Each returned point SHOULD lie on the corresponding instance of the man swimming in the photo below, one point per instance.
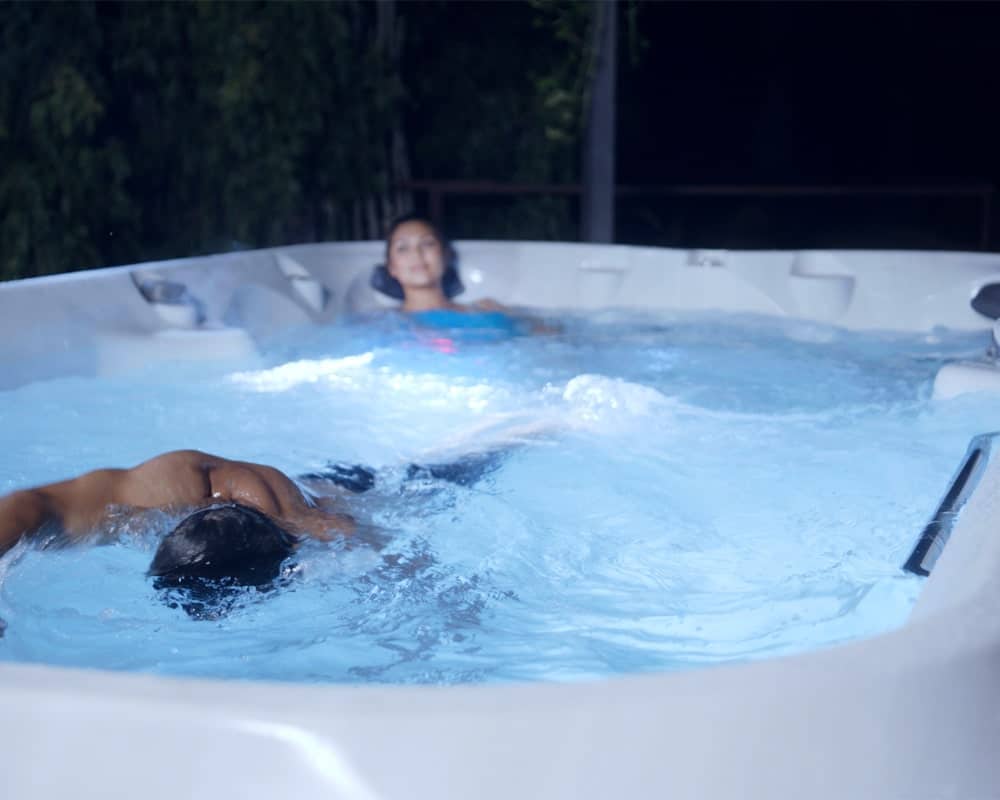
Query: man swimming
(242, 519)
(177, 481)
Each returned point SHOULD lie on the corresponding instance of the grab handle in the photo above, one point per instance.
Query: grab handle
(935, 535)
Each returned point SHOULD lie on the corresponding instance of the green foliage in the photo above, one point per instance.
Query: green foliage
(134, 131)
(62, 183)
(514, 74)
(131, 131)
(510, 109)
(259, 124)
(563, 86)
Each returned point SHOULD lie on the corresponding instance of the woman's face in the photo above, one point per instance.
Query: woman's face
(416, 256)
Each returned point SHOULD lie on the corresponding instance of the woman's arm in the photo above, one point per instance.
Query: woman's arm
(535, 325)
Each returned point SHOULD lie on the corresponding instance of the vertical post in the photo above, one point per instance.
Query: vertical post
(598, 202)
(984, 234)
(389, 43)
(436, 206)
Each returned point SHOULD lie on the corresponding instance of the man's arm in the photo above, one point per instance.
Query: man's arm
(325, 521)
(76, 506)
(22, 512)
(176, 480)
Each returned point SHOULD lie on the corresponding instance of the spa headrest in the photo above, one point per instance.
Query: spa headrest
(987, 301)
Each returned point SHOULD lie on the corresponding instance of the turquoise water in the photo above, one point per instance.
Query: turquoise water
(681, 491)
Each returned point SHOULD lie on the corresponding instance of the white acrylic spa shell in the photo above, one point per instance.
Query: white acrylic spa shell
(910, 714)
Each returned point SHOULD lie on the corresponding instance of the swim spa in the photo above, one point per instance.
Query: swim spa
(906, 713)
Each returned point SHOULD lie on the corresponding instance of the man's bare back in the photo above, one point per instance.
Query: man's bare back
(176, 481)
(187, 480)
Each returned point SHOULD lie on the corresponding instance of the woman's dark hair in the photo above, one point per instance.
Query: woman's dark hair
(451, 283)
(232, 542)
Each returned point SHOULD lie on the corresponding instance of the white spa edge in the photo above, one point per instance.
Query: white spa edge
(914, 713)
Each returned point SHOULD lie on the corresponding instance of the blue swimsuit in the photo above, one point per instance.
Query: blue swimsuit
(471, 325)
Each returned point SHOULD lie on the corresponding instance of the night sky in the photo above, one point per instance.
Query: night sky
(814, 92)
(212, 126)
(866, 94)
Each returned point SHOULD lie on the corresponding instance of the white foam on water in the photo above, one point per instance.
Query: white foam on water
(673, 492)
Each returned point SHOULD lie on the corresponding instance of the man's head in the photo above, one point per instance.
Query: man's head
(232, 542)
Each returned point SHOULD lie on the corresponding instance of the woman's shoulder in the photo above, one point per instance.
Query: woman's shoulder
(518, 319)
(488, 304)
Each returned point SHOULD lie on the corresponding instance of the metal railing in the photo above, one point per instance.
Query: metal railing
(438, 191)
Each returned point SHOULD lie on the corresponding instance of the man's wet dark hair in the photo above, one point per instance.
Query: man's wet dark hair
(228, 541)
(451, 283)
(218, 550)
